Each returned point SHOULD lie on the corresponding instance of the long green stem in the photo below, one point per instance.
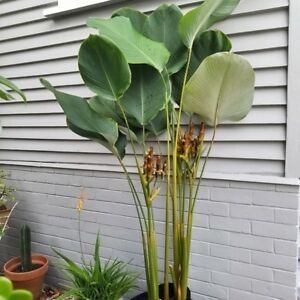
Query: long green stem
(152, 270)
(192, 201)
(204, 166)
(166, 267)
(141, 216)
(80, 239)
(174, 183)
(187, 241)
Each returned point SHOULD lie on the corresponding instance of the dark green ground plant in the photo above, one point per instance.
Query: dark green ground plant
(96, 281)
(161, 73)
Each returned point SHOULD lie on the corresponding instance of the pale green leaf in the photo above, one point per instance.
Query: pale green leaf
(207, 43)
(136, 48)
(221, 89)
(202, 17)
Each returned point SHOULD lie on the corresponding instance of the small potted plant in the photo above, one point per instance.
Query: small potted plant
(7, 200)
(27, 271)
(7, 292)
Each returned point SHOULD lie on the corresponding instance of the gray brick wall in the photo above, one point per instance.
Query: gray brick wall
(245, 234)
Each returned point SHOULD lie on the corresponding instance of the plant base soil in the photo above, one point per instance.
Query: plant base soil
(144, 296)
(34, 267)
(50, 293)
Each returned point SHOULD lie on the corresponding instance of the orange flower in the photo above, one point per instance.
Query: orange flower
(80, 200)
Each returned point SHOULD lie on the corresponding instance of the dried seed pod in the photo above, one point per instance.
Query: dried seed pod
(202, 131)
(165, 169)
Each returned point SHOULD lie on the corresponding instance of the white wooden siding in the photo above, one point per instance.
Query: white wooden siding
(32, 46)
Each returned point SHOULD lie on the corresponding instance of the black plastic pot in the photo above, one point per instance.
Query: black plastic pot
(144, 296)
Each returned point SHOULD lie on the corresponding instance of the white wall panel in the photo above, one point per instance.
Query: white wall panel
(32, 46)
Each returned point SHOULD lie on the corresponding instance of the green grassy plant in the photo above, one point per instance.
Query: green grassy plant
(96, 281)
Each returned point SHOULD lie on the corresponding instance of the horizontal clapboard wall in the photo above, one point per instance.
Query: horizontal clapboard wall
(32, 46)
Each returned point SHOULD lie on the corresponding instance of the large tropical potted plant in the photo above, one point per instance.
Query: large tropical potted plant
(152, 74)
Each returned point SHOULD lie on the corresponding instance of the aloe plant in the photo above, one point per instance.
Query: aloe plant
(147, 82)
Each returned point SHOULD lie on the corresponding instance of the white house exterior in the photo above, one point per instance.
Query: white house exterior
(245, 243)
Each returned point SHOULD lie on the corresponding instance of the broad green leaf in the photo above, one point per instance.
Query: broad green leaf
(221, 89)
(7, 83)
(207, 43)
(110, 109)
(162, 26)
(146, 94)
(158, 125)
(103, 67)
(168, 83)
(135, 133)
(136, 17)
(79, 113)
(136, 48)
(119, 145)
(106, 108)
(202, 17)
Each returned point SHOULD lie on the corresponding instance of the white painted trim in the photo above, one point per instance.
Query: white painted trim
(67, 6)
(117, 169)
(292, 167)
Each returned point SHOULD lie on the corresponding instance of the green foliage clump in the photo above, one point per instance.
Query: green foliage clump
(7, 197)
(94, 281)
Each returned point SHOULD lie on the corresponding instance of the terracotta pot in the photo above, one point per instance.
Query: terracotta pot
(4, 213)
(32, 281)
